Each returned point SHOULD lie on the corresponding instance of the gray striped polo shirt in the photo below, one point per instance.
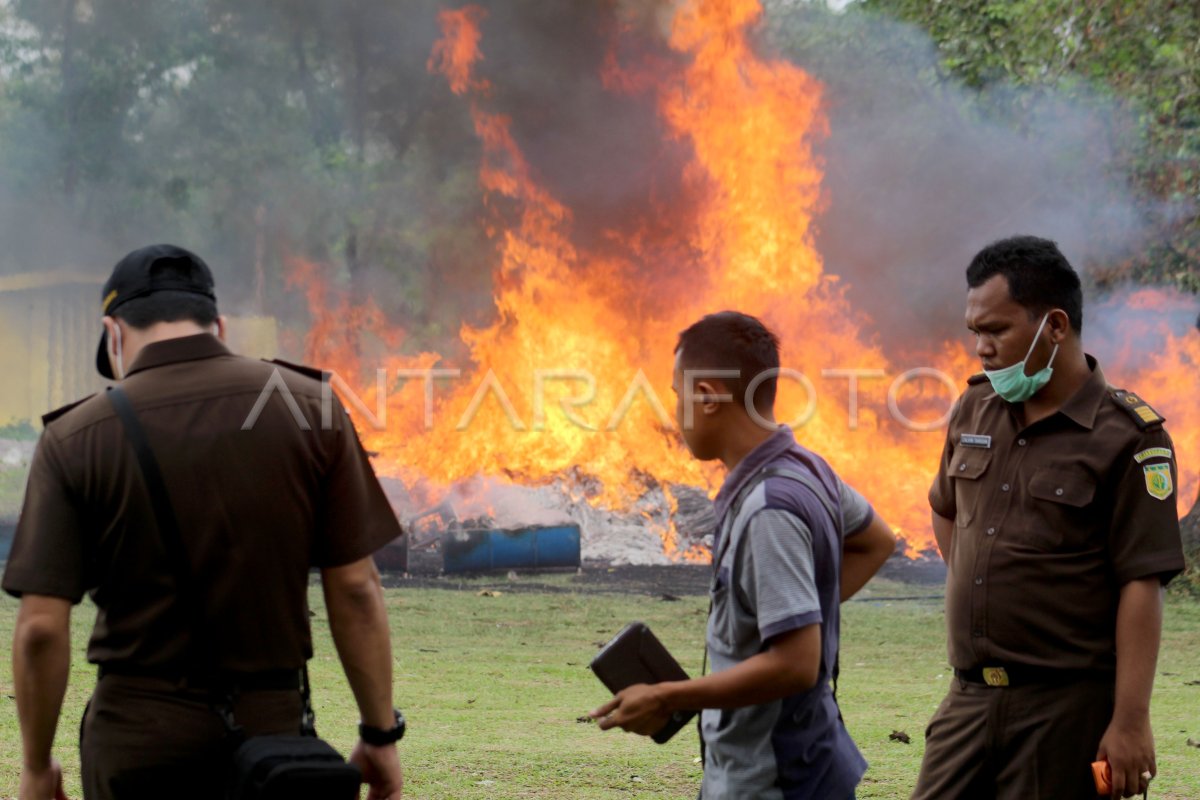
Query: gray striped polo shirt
(778, 569)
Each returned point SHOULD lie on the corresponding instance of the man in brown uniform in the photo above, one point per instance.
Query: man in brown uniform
(262, 487)
(1054, 508)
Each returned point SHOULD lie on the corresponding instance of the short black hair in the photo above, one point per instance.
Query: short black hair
(733, 340)
(167, 305)
(1039, 276)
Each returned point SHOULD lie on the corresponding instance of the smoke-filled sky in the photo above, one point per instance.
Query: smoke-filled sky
(918, 175)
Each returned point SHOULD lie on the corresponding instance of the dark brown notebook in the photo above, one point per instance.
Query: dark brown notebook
(635, 655)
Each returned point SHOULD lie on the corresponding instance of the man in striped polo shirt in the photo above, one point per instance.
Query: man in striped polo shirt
(792, 542)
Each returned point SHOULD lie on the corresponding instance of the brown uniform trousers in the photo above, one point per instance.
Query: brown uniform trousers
(144, 738)
(1033, 742)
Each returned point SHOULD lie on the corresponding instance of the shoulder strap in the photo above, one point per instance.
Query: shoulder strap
(1138, 409)
(156, 487)
(50, 416)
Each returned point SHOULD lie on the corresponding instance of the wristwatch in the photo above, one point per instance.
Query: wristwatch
(378, 736)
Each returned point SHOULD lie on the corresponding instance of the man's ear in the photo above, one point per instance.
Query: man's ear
(711, 396)
(1059, 324)
(221, 327)
(112, 329)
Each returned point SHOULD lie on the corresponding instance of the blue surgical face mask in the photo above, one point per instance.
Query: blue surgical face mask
(1013, 384)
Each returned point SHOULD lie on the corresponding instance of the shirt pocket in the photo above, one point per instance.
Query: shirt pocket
(1062, 499)
(968, 465)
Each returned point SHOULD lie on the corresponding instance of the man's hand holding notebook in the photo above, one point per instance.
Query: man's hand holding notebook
(629, 666)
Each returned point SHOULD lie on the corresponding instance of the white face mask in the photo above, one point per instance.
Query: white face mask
(114, 350)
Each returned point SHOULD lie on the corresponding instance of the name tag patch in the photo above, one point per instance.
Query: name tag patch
(1153, 452)
(974, 440)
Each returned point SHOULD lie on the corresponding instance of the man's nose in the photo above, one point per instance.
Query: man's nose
(984, 348)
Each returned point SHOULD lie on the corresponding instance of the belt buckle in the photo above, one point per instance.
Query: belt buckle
(995, 676)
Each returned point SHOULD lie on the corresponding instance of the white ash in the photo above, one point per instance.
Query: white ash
(618, 537)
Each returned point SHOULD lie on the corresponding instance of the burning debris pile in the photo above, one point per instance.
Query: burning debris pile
(636, 535)
(561, 413)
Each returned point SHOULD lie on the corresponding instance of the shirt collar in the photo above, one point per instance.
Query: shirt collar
(183, 348)
(775, 445)
(1082, 407)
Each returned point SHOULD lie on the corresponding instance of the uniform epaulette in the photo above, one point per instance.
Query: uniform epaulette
(311, 372)
(1138, 409)
(976, 379)
(58, 412)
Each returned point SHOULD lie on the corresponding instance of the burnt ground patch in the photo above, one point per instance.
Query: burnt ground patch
(661, 581)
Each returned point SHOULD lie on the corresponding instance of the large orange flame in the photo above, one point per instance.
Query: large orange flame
(571, 383)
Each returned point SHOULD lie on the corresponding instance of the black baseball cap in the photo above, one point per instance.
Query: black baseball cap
(142, 273)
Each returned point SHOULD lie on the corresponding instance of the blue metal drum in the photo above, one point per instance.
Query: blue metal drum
(523, 548)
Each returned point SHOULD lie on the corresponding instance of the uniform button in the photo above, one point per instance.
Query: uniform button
(1021, 442)
(977, 633)
(962, 467)
(1058, 491)
(991, 531)
(1004, 488)
(979, 581)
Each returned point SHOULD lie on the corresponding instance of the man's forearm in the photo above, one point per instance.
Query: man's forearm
(787, 667)
(359, 625)
(41, 664)
(1139, 630)
(863, 554)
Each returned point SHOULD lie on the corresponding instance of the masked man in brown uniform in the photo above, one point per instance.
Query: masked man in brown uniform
(263, 486)
(1054, 508)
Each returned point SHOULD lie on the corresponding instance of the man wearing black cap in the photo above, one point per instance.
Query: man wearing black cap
(255, 508)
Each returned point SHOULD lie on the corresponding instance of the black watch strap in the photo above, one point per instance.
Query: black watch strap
(379, 737)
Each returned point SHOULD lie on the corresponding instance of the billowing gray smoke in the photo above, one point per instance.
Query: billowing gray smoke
(922, 172)
(255, 132)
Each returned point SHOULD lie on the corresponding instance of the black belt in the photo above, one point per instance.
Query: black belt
(1023, 675)
(276, 679)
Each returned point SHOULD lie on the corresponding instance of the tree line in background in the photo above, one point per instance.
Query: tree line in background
(261, 131)
(255, 132)
(1146, 53)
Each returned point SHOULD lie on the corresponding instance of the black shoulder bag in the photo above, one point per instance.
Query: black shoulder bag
(299, 767)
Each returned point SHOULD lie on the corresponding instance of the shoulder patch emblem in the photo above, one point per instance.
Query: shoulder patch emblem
(1158, 480)
(1152, 452)
(1138, 409)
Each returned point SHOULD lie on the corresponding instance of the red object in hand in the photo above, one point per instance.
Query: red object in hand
(1103, 775)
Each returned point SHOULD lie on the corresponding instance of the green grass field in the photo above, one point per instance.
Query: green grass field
(494, 687)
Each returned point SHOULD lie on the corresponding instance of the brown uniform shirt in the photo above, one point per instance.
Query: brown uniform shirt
(1050, 520)
(256, 508)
